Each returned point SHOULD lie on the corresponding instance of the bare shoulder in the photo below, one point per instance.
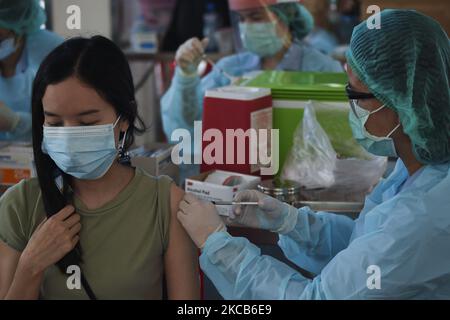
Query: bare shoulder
(176, 195)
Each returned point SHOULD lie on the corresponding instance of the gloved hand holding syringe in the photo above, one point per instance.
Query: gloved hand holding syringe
(234, 203)
(191, 54)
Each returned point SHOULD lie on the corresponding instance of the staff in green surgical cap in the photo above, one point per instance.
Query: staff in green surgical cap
(399, 246)
(23, 45)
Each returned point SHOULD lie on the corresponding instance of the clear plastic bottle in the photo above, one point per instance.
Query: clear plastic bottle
(143, 37)
(211, 23)
(333, 13)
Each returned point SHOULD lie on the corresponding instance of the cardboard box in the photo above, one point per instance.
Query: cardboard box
(155, 159)
(16, 164)
(217, 192)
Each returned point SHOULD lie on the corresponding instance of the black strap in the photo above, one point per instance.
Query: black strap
(87, 287)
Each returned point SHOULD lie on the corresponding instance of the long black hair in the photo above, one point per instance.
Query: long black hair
(101, 65)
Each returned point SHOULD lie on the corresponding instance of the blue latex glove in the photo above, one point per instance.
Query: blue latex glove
(8, 118)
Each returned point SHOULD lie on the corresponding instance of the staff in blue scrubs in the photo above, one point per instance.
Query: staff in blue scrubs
(399, 246)
(272, 34)
(23, 45)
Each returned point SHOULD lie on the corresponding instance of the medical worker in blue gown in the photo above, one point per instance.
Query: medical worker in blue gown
(271, 32)
(23, 45)
(399, 247)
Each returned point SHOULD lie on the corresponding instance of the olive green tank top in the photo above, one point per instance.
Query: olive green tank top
(123, 242)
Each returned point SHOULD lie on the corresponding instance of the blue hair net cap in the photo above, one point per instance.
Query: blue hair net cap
(21, 16)
(405, 64)
(296, 16)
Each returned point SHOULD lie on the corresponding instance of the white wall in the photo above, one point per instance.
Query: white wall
(95, 17)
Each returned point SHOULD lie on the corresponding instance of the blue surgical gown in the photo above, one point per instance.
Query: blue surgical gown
(323, 40)
(403, 232)
(15, 92)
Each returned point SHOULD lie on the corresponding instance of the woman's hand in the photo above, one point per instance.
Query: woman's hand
(52, 240)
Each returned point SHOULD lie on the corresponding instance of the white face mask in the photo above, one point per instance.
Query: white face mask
(7, 48)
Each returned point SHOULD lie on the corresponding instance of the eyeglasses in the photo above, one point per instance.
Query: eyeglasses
(356, 95)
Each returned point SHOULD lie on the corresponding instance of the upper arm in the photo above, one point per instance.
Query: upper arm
(181, 258)
(9, 259)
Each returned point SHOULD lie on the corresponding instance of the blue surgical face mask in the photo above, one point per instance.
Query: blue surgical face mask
(380, 146)
(84, 152)
(261, 38)
(7, 48)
